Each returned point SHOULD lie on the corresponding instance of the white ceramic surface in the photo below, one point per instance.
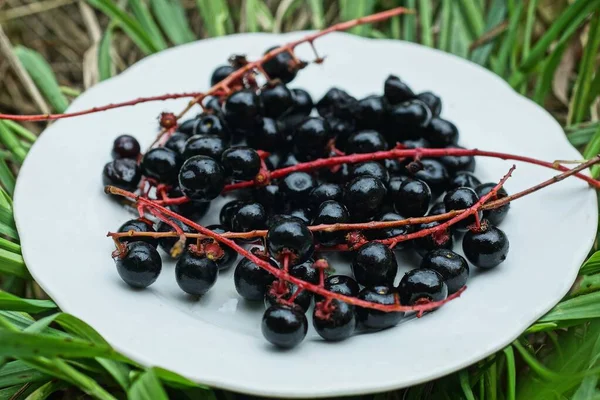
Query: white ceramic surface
(63, 216)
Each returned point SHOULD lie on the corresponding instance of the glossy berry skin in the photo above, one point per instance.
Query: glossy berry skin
(412, 199)
(374, 265)
(370, 168)
(464, 179)
(290, 237)
(455, 164)
(311, 138)
(284, 326)
(342, 284)
(270, 197)
(167, 243)
(123, 173)
(205, 145)
(177, 142)
(138, 225)
(337, 103)
(161, 164)
(432, 101)
(303, 102)
(276, 100)
(220, 73)
(125, 146)
(281, 66)
(496, 215)
(393, 186)
(194, 210)
(140, 266)
(396, 91)
(296, 187)
(409, 117)
(240, 162)
(371, 113)
(201, 178)
(342, 130)
(367, 141)
(438, 240)
(422, 284)
(441, 133)
(301, 213)
(450, 265)
(331, 212)
(375, 319)
(251, 281)
(227, 213)
(278, 291)
(243, 111)
(394, 167)
(437, 209)
(386, 233)
(268, 138)
(211, 124)
(324, 192)
(288, 160)
(486, 249)
(306, 272)
(249, 217)
(364, 197)
(335, 321)
(461, 199)
(415, 143)
(195, 274)
(188, 126)
(229, 254)
(435, 175)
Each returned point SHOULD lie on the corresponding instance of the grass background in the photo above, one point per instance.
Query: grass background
(52, 50)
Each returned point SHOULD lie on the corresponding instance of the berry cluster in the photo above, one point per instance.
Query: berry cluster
(257, 131)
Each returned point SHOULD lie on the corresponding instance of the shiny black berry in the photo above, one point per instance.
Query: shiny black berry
(367, 141)
(434, 174)
(486, 248)
(290, 238)
(193, 209)
(123, 173)
(251, 281)
(240, 163)
(494, 216)
(243, 112)
(228, 211)
(201, 178)
(396, 91)
(342, 130)
(342, 284)
(281, 67)
(270, 197)
(441, 133)
(205, 145)
(278, 292)
(126, 146)
(375, 319)
(303, 103)
(337, 103)
(439, 240)
(188, 127)
(176, 142)
(167, 243)
(211, 124)
(324, 192)
(306, 272)
(335, 320)
(311, 138)
(370, 168)
(276, 100)
(284, 326)
(195, 274)
(412, 198)
(422, 285)
(432, 101)
(296, 187)
(364, 196)
(409, 118)
(461, 199)
(220, 73)
(464, 179)
(386, 233)
(394, 185)
(450, 265)
(371, 113)
(249, 217)
(302, 213)
(138, 225)
(331, 212)
(437, 209)
(140, 264)
(268, 138)
(229, 254)
(162, 164)
(458, 163)
(374, 265)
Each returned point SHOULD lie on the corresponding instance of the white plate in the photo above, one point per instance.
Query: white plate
(63, 216)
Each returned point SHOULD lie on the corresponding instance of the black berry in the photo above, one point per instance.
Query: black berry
(126, 146)
(123, 173)
(375, 319)
(241, 163)
(335, 320)
(284, 326)
(140, 264)
(422, 285)
(374, 265)
(486, 248)
(450, 265)
(201, 178)
(195, 274)
(161, 164)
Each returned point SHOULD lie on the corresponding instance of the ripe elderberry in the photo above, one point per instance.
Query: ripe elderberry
(487, 247)
(125, 146)
(195, 273)
(139, 265)
(284, 326)
(334, 320)
(201, 178)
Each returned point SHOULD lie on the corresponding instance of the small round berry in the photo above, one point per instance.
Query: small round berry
(123, 173)
(249, 217)
(437, 209)
(204, 145)
(464, 179)
(282, 66)
(229, 254)
(126, 146)
(139, 265)
(270, 197)
(279, 292)
(284, 326)
(455, 164)
(296, 187)
(438, 240)
(201, 178)
(242, 111)
(331, 212)
(302, 213)
(412, 198)
(371, 113)
(342, 284)
(311, 138)
(387, 233)
(195, 274)
(494, 216)
(367, 141)
(434, 174)
(338, 174)
(276, 100)
(306, 272)
(194, 210)
(337, 103)
(220, 73)
(342, 130)
(419, 143)
(241, 163)
(432, 101)
(161, 164)
(138, 225)
(461, 199)
(324, 192)
(211, 124)
(375, 265)
(441, 133)
(303, 103)
(335, 320)
(370, 168)
(422, 285)
(290, 238)
(176, 142)
(450, 265)
(364, 197)
(394, 185)
(188, 127)
(251, 281)
(375, 319)
(486, 248)
(410, 118)
(167, 243)
(394, 166)
(268, 138)
(227, 213)
(396, 91)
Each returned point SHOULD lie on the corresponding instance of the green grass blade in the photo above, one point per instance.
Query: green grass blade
(19, 392)
(592, 149)
(105, 63)
(9, 302)
(459, 44)
(446, 26)
(251, 16)
(21, 131)
(581, 134)
(144, 18)
(42, 75)
(529, 22)
(16, 373)
(511, 374)
(582, 307)
(351, 9)
(216, 17)
(119, 371)
(130, 26)
(46, 390)
(544, 82)
(9, 246)
(7, 226)
(173, 21)
(472, 16)
(425, 17)
(147, 387)
(13, 264)
(7, 178)
(11, 142)
(509, 42)
(587, 390)
(409, 22)
(465, 385)
(579, 107)
(317, 14)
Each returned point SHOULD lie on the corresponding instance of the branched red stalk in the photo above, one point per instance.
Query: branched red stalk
(278, 273)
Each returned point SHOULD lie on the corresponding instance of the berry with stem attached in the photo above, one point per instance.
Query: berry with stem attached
(241, 162)
(290, 239)
(422, 285)
(201, 178)
(126, 146)
(486, 247)
(161, 164)
(450, 265)
(284, 326)
(138, 225)
(139, 264)
(374, 265)
(334, 320)
(251, 281)
(195, 273)
(123, 173)
(495, 215)
(375, 319)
